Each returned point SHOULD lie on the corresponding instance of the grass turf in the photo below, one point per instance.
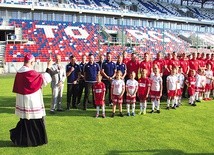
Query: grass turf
(186, 130)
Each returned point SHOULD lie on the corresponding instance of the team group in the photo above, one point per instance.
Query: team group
(173, 77)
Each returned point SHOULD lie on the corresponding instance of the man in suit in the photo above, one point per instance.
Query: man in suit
(58, 75)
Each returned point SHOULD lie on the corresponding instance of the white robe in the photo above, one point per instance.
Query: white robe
(31, 106)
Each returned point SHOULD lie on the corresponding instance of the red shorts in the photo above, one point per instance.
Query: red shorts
(179, 92)
(142, 97)
(171, 93)
(191, 91)
(117, 100)
(130, 99)
(99, 103)
(155, 94)
(200, 89)
(208, 87)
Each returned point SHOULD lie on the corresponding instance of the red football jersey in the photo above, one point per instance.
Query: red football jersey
(202, 63)
(147, 66)
(184, 65)
(143, 84)
(174, 63)
(211, 62)
(194, 64)
(99, 92)
(160, 63)
(167, 67)
(132, 66)
(126, 60)
(191, 81)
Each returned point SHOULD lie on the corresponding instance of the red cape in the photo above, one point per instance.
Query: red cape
(27, 82)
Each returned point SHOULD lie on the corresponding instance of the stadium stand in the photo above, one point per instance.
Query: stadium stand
(99, 27)
(48, 38)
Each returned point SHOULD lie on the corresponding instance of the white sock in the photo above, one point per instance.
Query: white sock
(145, 105)
(133, 107)
(141, 107)
(200, 98)
(196, 95)
(208, 94)
(190, 99)
(180, 98)
(98, 109)
(153, 105)
(205, 95)
(128, 108)
(176, 100)
(168, 102)
(103, 109)
(173, 102)
(158, 104)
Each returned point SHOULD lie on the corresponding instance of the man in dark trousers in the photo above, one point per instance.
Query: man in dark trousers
(81, 79)
(108, 71)
(91, 69)
(72, 72)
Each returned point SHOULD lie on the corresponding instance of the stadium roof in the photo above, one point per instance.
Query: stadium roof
(202, 2)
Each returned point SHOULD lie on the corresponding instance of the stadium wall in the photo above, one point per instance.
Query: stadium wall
(13, 67)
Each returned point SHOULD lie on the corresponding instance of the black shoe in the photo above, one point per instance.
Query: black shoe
(198, 101)
(60, 110)
(158, 111)
(190, 103)
(52, 112)
(151, 111)
(74, 107)
(112, 115)
(121, 114)
(110, 104)
(103, 116)
(167, 108)
(178, 105)
(194, 104)
(84, 108)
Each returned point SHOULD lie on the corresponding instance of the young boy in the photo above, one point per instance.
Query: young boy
(156, 89)
(209, 79)
(190, 82)
(171, 84)
(117, 89)
(131, 90)
(143, 91)
(200, 85)
(99, 95)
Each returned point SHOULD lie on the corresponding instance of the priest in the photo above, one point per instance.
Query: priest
(30, 130)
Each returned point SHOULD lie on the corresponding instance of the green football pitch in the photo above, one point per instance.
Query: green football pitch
(186, 130)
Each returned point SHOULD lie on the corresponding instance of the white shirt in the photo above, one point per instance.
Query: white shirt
(131, 86)
(156, 82)
(117, 87)
(172, 81)
(181, 79)
(209, 74)
(200, 80)
(58, 74)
